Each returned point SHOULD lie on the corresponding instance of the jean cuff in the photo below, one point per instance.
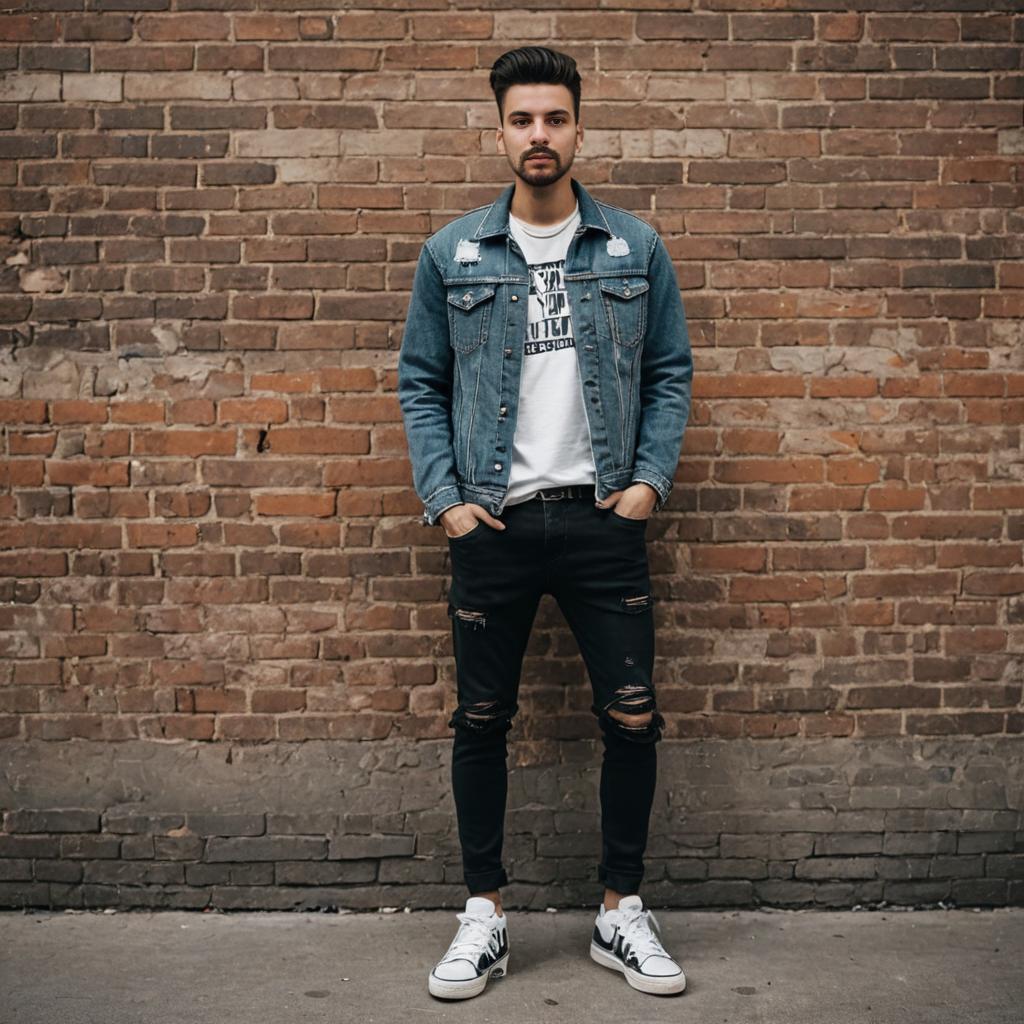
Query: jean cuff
(443, 498)
(625, 885)
(485, 881)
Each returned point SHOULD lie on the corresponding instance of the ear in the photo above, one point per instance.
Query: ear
(499, 140)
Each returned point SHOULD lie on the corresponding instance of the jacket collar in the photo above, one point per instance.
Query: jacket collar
(496, 221)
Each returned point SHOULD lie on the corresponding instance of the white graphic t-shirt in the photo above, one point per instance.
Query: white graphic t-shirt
(551, 447)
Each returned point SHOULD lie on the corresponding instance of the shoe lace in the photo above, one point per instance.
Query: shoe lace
(636, 930)
(473, 936)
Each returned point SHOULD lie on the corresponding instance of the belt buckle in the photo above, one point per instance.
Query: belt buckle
(553, 493)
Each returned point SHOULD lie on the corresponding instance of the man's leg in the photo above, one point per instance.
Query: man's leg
(604, 592)
(492, 604)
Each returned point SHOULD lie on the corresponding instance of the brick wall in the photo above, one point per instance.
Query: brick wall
(207, 530)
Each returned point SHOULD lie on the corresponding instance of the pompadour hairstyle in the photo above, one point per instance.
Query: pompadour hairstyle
(535, 65)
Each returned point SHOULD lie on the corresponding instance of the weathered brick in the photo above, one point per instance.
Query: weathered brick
(186, 526)
(357, 847)
(30, 820)
(256, 848)
(225, 824)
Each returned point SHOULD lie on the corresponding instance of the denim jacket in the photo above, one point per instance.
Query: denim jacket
(462, 354)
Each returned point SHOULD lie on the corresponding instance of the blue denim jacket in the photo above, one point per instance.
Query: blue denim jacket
(462, 354)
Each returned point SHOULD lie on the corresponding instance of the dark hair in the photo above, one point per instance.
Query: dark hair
(535, 65)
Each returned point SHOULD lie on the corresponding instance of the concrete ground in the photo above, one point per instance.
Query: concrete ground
(767, 966)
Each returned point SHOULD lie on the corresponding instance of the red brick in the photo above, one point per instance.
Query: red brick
(775, 588)
(294, 505)
(210, 420)
(791, 470)
(728, 559)
(737, 385)
(184, 442)
(84, 471)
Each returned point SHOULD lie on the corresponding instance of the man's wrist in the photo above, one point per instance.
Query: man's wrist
(650, 487)
(660, 484)
(650, 490)
(440, 515)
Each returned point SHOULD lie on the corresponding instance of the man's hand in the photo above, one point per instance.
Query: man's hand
(460, 519)
(635, 502)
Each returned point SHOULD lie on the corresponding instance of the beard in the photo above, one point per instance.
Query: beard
(540, 175)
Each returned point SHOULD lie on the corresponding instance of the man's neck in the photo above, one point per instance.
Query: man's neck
(543, 205)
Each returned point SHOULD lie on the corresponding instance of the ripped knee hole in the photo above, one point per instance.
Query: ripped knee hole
(633, 710)
(483, 706)
(483, 716)
(472, 617)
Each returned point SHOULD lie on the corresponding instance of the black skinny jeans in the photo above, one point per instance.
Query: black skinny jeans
(594, 563)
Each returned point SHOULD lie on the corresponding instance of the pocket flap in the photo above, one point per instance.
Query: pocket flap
(471, 295)
(624, 287)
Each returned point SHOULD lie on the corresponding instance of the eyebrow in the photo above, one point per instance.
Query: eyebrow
(526, 113)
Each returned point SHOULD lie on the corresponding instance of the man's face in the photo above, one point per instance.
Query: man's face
(538, 121)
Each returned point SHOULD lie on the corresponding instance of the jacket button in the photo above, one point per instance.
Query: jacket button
(508, 351)
(497, 465)
(466, 297)
(515, 298)
(625, 291)
(503, 409)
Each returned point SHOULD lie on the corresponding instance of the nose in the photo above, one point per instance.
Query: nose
(539, 135)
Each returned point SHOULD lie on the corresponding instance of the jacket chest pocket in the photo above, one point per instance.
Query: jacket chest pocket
(469, 314)
(625, 304)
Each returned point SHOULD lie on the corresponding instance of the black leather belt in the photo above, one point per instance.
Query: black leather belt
(569, 491)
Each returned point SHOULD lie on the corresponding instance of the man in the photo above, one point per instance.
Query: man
(544, 379)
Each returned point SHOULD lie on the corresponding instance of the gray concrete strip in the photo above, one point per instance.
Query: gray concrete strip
(743, 967)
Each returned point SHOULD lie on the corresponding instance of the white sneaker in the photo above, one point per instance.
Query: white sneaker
(623, 941)
(478, 952)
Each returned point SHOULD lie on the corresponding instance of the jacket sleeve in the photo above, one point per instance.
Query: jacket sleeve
(425, 366)
(666, 372)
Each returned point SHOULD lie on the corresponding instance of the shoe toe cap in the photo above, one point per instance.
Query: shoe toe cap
(455, 970)
(661, 967)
